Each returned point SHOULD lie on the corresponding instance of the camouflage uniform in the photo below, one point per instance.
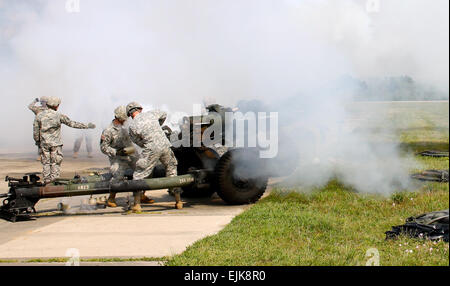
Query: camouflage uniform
(145, 131)
(47, 132)
(36, 110)
(77, 145)
(113, 138)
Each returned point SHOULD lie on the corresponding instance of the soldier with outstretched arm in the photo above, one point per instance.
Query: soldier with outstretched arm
(146, 132)
(47, 135)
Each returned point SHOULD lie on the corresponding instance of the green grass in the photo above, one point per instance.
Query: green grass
(335, 225)
(331, 226)
(7, 261)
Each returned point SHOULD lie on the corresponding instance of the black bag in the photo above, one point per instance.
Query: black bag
(433, 226)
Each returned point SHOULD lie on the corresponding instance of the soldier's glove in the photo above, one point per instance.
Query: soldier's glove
(91, 125)
(36, 99)
(129, 150)
(121, 152)
(125, 151)
(167, 130)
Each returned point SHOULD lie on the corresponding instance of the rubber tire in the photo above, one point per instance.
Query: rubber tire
(228, 191)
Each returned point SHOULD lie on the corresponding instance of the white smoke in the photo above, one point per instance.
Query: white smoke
(180, 52)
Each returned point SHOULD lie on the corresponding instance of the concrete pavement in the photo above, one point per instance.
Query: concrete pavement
(159, 231)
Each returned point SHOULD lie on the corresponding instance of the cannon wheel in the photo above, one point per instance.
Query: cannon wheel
(193, 159)
(235, 187)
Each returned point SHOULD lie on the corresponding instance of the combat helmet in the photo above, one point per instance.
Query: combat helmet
(53, 101)
(44, 99)
(132, 106)
(121, 113)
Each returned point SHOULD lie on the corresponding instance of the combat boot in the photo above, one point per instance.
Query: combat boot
(112, 200)
(137, 202)
(136, 208)
(177, 193)
(75, 155)
(146, 200)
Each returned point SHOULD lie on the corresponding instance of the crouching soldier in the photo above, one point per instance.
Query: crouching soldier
(47, 135)
(116, 144)
(146, 132)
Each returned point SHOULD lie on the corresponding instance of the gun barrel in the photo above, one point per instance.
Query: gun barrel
(104, 187)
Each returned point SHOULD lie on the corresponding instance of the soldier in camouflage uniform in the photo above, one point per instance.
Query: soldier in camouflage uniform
(47, 135)
(36, 110)
(116, 144)
(146, 132)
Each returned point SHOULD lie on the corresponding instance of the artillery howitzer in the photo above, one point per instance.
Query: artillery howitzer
(238, 176)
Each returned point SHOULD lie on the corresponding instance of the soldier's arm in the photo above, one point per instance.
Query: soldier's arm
(135, 137)
(161, 116)
(66, 120)
(128, 141)
(132, 135)
(105, 145)
(36, 131)
(32, 106)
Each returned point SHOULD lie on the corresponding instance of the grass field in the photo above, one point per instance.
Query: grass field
(334, 225)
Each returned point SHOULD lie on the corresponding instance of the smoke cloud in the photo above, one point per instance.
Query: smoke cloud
(288, 54)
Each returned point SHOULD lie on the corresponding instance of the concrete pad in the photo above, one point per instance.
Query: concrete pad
(127, 236)
(160, 231)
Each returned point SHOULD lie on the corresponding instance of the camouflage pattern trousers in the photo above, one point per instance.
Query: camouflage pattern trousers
(51, 159)
(149, 159)
(79, 140)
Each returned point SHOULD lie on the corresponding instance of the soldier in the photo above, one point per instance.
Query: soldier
(116, 144)
(36, 109)
(47, 135)
(79, 140)
(146, 132)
